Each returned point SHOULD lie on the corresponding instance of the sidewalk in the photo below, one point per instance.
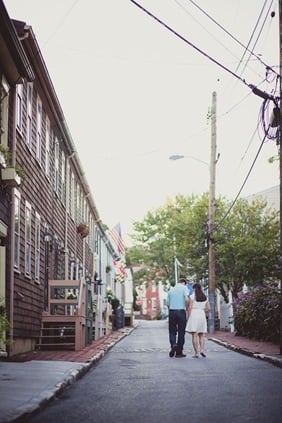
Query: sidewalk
(29, 381)
(258, 349)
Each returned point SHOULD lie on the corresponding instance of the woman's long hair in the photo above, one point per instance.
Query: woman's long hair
(199, 294)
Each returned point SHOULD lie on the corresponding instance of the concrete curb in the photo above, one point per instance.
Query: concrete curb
(70, 379)
(94, 360)
(276, 361)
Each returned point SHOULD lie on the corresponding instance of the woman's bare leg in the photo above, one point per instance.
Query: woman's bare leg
(195, 342)
(202, 344)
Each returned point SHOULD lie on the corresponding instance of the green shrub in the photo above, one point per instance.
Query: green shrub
(257, 314)
(4, 324)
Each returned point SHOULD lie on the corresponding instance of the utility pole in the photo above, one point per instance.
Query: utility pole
(175, 261)
(280, 159)
(211, 252)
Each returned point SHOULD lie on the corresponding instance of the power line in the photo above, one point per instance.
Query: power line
(254, 89)
(232, 36)
(251, 52)
(205, 29)
(244, 182)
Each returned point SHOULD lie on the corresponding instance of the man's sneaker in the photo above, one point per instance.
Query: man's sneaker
(180, 355)
(173, 351)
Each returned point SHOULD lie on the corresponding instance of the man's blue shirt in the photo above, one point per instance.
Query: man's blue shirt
(176, 297)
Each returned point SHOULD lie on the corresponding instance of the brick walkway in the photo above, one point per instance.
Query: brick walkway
(97, 348)
(82, 356)
(259, 347)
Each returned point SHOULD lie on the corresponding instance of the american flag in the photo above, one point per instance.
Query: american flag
(120, 271)
(115, 235)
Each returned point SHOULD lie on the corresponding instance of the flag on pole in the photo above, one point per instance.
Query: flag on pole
(120, 271)
(115, 235)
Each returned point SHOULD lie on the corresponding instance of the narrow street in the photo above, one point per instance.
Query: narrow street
(136, 381)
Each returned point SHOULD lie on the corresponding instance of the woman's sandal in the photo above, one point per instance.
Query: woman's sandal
(203, 354)
(195, 356)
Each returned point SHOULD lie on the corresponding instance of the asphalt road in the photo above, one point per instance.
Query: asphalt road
(137, 382)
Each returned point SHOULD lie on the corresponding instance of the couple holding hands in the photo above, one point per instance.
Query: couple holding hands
(197, 307)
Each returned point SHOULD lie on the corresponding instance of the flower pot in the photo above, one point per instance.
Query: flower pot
(10, 177)
(83, 229)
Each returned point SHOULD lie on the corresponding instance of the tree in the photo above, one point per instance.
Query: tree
(247, 246)
(246, 241)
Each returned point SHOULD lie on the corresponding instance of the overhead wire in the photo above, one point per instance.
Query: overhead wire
(205, 29)
(190, 43)
(232, 36)
(238, 77)
(254, 89)
(243, 184)
(251, 52)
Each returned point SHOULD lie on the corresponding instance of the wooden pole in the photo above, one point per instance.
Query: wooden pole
(280, 157)
(211, 252)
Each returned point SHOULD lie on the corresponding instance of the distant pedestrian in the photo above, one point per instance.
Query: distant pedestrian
(177, 302)
(197, 321)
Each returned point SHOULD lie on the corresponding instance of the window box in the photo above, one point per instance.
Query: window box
(10, 177)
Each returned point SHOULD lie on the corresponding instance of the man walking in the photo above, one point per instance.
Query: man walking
(177, 302)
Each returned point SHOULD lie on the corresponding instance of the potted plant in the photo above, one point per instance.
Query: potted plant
(108, 268)
(11, 175)
(5, 155)
(83, 229)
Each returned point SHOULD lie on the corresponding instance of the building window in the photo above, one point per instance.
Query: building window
(39, 130)
(72, 196)
(154, 303)
(37, 246)
(77, 203)
(27, 238)
(63, 179)
(47, 150)
(29, 116)
(154, 286)
(4, 108)
(19, 107)
(68, 189)
(17, 230)
(56, 175)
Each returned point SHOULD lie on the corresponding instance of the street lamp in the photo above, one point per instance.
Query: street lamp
(180, 156)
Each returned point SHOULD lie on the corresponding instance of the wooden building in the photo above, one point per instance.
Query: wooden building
(50, 229)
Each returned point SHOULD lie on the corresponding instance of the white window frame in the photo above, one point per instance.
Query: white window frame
(38, 129)
(19, 107)
(56, 168)
(63, 179)
(17, 229)
(37, 246)
(72, 195)
(5, 89)
(78, 215)
(29, 115)
(154, 303)
(28, 223)
(47, 148)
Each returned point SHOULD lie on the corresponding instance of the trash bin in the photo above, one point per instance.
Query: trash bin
(119, 317)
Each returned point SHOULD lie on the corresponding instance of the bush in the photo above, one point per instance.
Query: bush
(115, 303)
(257, 314)
(4, 324)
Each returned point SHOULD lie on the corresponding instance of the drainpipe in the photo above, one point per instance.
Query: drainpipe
(12, 225)
(66, 216)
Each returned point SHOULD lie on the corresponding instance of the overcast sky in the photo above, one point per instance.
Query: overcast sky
(134, 93)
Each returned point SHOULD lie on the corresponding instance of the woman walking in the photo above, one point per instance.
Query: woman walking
(197, 321)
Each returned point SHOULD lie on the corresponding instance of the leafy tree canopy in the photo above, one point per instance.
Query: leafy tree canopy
(245, 238)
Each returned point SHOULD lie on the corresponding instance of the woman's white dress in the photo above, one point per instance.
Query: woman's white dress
(197, 321)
